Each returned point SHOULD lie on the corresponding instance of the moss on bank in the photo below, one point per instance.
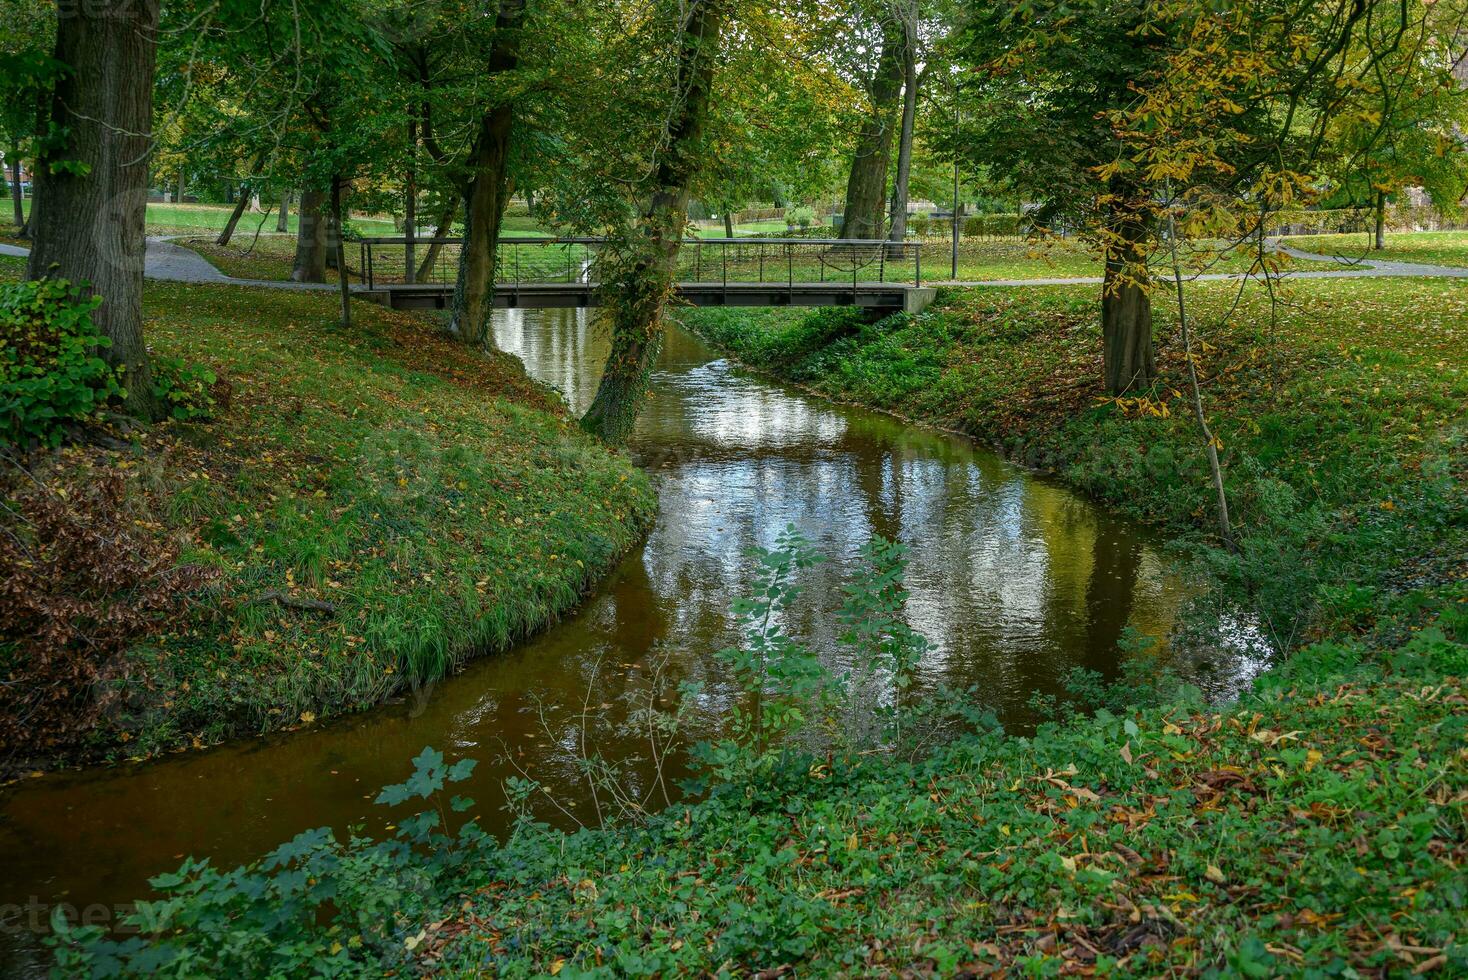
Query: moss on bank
(441, 502)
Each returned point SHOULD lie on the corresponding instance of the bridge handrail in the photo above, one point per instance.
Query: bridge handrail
(518, 240)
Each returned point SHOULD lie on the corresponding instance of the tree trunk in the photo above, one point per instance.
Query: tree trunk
(638, 292)
(282, 220)
(178, 191)
(904, 141)
(728, 224)
(1126, 310)
(234, 218)
(441, 230)
(89, 229)
(410, 205)
(866, 187)
(310, 238)
(1379, 242)
(17, 197)
(487, 192)
(341, 258)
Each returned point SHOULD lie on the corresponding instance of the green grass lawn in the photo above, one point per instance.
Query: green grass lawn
(441, 501)
(1449, 248)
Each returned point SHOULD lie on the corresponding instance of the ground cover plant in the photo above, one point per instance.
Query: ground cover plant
(1315, 827)
(1341, 420)
(371, 507)
(1449, 248)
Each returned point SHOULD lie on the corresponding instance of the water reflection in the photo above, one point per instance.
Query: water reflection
(1014, 580)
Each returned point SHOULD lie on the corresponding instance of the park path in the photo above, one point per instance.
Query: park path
(167, 262)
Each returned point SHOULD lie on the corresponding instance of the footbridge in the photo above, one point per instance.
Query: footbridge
(560, 273)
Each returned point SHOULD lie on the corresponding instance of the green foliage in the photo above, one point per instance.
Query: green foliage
(781, 680)
(50, 374)
(185, 390)
(314, 906)
(1282, 834)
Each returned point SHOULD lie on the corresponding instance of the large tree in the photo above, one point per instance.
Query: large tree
(92, 173)
(640, 279)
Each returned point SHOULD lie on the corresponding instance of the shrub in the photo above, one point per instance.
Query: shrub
(50, 374)
(187, 390)
(802, 216)
(919, 223)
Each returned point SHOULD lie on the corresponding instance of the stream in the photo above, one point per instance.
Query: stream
(1014, 579)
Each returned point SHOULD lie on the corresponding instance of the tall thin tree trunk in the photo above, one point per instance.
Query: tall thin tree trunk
(441, 230)
(1379, 241)
(487, 192)
(904, 139)
(1126, 309)
(410, 205)
(728, 224)
(341, 258)
(642, 282)
(178, 190)
(866, 186)
(282, 220)
(88, 225)
(234, 218)
(16, 194)
(310, 263)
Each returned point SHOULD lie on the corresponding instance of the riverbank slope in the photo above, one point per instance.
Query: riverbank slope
(1341, 417)
(368, 508)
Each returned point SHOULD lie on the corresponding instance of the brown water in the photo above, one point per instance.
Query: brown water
(1014, 579)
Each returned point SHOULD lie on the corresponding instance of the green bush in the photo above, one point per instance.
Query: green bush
(50, 373)
(980, 225)
(185, 389)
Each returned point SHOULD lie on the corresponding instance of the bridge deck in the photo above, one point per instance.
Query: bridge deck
(891, 297)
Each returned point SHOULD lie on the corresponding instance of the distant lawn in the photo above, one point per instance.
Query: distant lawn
(1449, 248)
(441, 501)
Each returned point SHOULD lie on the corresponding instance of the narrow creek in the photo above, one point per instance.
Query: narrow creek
(1014, 579)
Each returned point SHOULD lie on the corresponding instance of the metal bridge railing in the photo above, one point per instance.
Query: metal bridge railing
(702, 261)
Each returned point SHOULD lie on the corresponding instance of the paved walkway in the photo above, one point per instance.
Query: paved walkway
(168, 262)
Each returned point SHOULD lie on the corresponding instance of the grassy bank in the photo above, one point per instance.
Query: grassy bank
(1314, 828)
(1449, 248)
(432, 503)
(1341, 422)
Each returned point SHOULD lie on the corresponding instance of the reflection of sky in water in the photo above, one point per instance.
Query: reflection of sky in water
(1013, 580)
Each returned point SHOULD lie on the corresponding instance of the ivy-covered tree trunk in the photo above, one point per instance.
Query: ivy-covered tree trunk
(640, 286)
(92, 187)
(1126, 308)
(866, 186)
(1379, 239)
(283, 219)
(486, 192)
(311, 228)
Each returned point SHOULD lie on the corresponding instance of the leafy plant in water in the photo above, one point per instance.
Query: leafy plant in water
(779, 678)
(885, 644)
